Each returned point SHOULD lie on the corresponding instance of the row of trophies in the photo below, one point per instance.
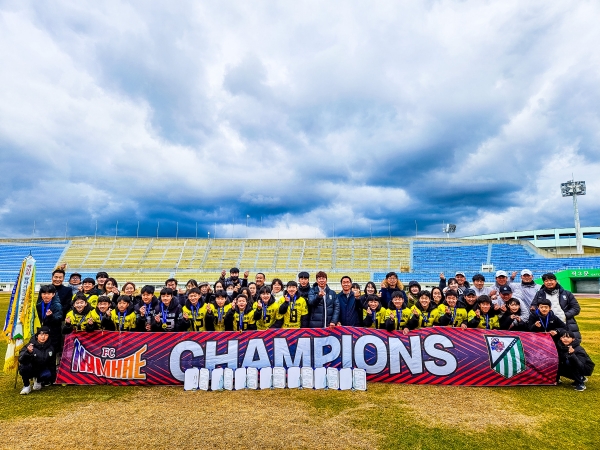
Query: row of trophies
(275, 378)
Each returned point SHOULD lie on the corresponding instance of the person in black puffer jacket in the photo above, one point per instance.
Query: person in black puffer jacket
(563, 302)
(38, 361)
(323, 305)
(303, 285)
(573, 360)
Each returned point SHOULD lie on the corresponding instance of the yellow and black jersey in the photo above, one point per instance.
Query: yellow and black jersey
(484, 321)
(102, 321)
(240, 321)
(455, 318)
(219, 316)
(293, 313)
(123, 321)
(92, 299)
(423, 319)
(376, 320)
(397, 319)
(77, 320)
(196, 320)
(265, 317)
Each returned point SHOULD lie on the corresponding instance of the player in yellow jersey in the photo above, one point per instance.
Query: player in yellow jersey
(293, 309)
(87, 288)
(215, 318)
(240, 317)
(483, 315)
(450, 314)
(77, 318)
(374, 316)
(266, 310)
(100, 317)
(123, 318)
(424, 313)
(398, 314)
(194, 312)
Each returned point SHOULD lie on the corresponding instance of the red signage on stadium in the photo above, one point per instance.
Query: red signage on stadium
(428, 356)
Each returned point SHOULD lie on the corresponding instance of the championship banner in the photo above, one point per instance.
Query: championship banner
(437, 355)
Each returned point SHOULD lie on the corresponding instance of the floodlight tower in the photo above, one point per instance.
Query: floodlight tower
(573, 189)
(449, 228)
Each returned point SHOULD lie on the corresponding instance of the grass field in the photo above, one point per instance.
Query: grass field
(387, 416)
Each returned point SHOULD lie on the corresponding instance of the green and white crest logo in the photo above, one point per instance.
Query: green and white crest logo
(506, 355)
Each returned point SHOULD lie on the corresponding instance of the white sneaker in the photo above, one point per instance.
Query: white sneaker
(36, 385)
(26, 390)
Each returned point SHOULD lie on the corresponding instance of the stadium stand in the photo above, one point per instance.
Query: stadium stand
(148, 260)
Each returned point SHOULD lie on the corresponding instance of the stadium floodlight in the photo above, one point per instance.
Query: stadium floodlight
(573, 189)
(449, 228)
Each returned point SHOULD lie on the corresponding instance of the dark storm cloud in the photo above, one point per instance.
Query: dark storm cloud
(363, 121)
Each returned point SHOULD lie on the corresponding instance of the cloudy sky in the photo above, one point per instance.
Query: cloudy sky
(305, 116)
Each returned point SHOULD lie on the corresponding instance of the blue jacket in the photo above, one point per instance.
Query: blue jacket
(322, 310)
(351, 311)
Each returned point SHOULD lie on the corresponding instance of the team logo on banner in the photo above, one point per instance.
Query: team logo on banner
(506, 355)
(127, 368)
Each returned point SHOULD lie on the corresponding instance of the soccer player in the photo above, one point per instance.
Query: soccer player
(483, 315)
(100, 317)
(450, 314)
(123, 317)
(240, 317)
(266, 310)
(303, 285)
(293, 309)
(49, 313)
(425, 313)
(375, 315)
(398, 314)
(194, 312)
(87, 288)
(64, 293)
(145, 309)
(168, 314)
(506, 294)
(38, 361)
(77, 318)
(221, 309)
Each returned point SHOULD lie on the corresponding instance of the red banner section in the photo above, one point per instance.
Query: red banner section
(436, 355)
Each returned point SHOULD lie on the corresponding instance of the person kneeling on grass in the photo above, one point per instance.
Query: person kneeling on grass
(374, 316)
(424, 313)
(543, 320)
(123, 317)
(37, 361)
(398, 314)
(483, 315)
(240, 317)
(451, 315)
(79, 316)
(573, 360)
(100, 317)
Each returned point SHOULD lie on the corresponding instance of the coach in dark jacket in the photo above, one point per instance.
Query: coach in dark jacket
(351, 311)
(65, 293)
(551, 290)
(323, 305)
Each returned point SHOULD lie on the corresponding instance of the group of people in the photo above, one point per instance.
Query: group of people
(235, 303)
